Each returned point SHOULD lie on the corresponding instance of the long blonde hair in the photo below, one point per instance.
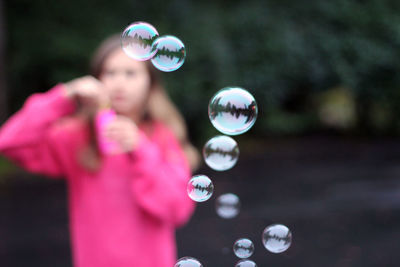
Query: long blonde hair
(159, 107)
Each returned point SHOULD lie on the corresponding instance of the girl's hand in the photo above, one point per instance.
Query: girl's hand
(87, 90)
(123, 131)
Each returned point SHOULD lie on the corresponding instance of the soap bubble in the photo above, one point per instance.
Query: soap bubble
(200, 188)
(227, 205)
(232, 110)
(136, 40)
(277, 238)
(170, 53)
(243, 248)
(246, 263)
(188, 262)
(221, 153)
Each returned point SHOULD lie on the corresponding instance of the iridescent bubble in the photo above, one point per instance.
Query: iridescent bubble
(200, 188)
(137, 40)
(227, 205)
(232, 110)
(221, 153)
(170, 53)
(277, 238)
(243, 248)
(246, 263)
(188, 262)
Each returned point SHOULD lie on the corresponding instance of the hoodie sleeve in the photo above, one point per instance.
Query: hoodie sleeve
(27, 137)
(161, 175)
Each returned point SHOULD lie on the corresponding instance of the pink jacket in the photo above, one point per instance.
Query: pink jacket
(125, 214)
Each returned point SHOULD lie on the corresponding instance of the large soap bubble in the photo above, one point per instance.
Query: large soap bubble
(277, 238)
(232, 110)
(170, 53)
(200, 188)
(243, 248)
(221, 153)
(227, 205)
(188, 262)
(137, 40)
(246, 263)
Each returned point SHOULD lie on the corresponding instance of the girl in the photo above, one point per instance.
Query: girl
(123, 206)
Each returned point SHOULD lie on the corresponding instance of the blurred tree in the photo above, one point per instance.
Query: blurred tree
(3, 88)
(284, 52)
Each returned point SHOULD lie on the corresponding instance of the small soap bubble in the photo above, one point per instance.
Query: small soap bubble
(277, 238)
(188, 262)
(170, 53)
(137, 40)
(227, 205)
(232, 110)
(243, 248)
(246, 263)
(221, 153)
(200, 188)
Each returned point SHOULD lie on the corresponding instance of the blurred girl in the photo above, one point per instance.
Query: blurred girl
(125, 204)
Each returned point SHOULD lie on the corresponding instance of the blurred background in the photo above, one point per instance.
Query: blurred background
(323, 157)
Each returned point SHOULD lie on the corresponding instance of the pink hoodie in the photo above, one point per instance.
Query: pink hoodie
(123, 215)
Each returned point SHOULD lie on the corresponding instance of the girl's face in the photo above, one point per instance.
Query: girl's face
(127, 82)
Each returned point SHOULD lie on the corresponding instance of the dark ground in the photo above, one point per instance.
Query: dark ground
(340, 198)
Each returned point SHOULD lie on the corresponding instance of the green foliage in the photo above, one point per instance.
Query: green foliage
(282, 51)
(6, 168)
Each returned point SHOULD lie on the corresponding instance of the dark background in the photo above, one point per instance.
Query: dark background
(322, 157)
